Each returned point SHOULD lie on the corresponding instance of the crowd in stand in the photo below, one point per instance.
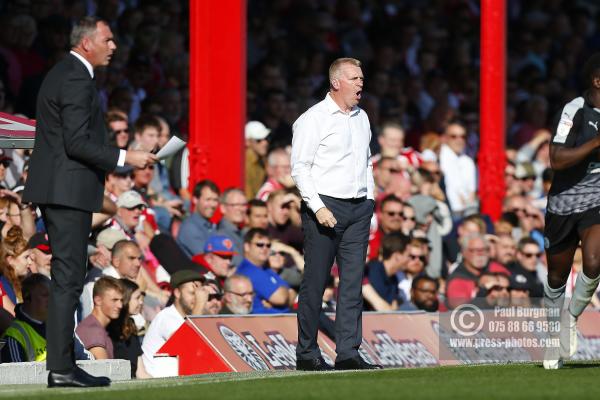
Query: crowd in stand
(159, 252)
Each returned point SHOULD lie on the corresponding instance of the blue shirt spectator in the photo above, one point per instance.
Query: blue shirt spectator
(196, 229)
(386, 285)
(272, 293)
(265, 283)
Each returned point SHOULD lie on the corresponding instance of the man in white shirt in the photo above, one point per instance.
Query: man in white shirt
(458, 169)
(331, 167)
(187, 294)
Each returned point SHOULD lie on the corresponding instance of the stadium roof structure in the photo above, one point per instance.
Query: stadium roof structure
(16, 132)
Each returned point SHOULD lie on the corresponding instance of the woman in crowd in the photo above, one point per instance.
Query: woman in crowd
(15, 264)
(124, 332)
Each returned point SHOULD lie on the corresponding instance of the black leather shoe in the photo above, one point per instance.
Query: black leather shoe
(76, 378)
(316, 364)
(355, 363)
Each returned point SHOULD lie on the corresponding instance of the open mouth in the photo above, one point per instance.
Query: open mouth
(358, 94)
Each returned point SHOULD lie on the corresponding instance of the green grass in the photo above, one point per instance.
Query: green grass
(525, 381)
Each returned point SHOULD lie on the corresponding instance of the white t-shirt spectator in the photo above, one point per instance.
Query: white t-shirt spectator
(161, 329)
(459, 176)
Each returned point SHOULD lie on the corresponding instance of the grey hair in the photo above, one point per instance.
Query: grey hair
(228, 191)
(334, 68)
(85, 27)
(271, 158)
(464, 242)
(228, 285)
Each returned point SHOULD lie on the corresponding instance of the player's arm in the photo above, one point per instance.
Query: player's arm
(564, 157)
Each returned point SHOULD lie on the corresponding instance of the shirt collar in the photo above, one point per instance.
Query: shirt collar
(85, 62)
(332, 106)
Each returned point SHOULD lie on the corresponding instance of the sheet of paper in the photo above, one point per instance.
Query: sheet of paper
(173, 146)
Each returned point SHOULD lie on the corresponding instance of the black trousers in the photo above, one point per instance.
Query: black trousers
(68, 231)
(347, 243)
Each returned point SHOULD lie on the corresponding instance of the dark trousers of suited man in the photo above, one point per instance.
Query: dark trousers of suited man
(68, 231)
(346, 244)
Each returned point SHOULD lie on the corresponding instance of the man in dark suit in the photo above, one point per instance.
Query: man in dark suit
(66, 180)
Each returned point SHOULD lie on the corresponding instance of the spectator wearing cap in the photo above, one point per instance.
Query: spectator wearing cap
(217, 256)
(41, 254)
(196, 228)
(130, 206)
(108, 302)
(280, 204)
(257, 145)
(187, 299)
(526, 178)
(278, 173)
(233, 207)
(238, 295)
(273, 294)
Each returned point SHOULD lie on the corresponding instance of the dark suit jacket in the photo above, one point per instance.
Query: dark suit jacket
(71, 153)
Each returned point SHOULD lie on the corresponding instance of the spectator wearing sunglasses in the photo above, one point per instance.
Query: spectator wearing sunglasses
(273, 294)
(525, 268)
(214, 300)
(494, 290)
(389, 220)
(415, 265)
(130, 206)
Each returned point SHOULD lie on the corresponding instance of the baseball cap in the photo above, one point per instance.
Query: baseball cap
(40, 241)
(184, 276)
(524, 170)
(4, 157)
(130, 199)
(256, 130)
(220, 245)
(108, 237)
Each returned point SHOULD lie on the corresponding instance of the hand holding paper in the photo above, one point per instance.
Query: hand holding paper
(173, 146)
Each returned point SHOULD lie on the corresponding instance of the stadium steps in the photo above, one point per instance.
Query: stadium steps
(35, 372)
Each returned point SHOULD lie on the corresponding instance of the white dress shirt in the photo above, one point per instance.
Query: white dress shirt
(331, 155)
(88, 66)
(460, 178)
